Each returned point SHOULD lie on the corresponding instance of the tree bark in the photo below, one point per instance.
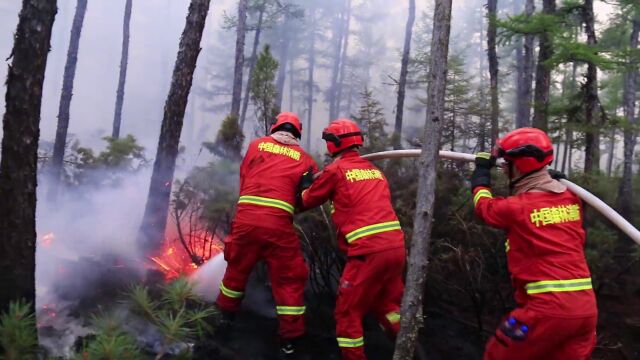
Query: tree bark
(625, 194)
(124, 60)
(543, 73)
(525, 75)
(337, 38)
(411, 312)
(252, 65)
(611, 151)
(404, 70)
(239, 62)
(284, 54)
(156, 210)
(311, 69)
(492, 6)
(18, 167)
(65, 98)
(343, 60)
(592, 106)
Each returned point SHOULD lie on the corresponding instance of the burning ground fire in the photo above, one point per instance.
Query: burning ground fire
(177, 259)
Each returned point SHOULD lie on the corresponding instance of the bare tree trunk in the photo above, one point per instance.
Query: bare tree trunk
(411, 312)
(492, 6)
(239, 63)
(625, 194)
(337, 39)
(292, 81)
(252, 66)
(525, 76)
(611, 151)
(543, 73)
(18, 167)
(310, 80)
(65, 98)
(404, 70)
(567, 137)
(284, 54)
(592, 107)
(155, 215)
(124, 59)
(343, 57)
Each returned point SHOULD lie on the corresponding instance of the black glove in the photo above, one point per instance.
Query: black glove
(481, 175)
(306, 180)
(557, 175)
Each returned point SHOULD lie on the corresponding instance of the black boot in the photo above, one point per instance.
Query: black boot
(290, 348)
(222, 322)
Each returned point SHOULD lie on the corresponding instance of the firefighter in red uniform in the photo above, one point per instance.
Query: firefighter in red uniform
(556, 312)
(262, 228)
(369, 233)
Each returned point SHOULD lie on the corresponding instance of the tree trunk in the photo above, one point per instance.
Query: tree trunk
(252, 65)
(525, 76)
(124, 59)
(592, 107)
(543, 73)
(18, 167)
(239, 63)
(404, 70)
(492, 6)
(156, 210)
(611, 151)
(411, 312)
(625, 194)
(337, 52)
(343, 60)
(310, 80)
(292, 81)
(65, 98)
(284, 54)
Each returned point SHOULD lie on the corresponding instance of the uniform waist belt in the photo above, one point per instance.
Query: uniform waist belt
(263, 201)
(372, 229)
(558, 285)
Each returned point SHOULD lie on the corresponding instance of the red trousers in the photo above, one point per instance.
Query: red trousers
(280, 249)
(370, 283)
(547, 338)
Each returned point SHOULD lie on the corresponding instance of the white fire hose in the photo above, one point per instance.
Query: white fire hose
(586, 196)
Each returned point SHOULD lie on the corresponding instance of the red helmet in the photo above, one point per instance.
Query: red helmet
(341, 134)
(287, 118)
(528, 149)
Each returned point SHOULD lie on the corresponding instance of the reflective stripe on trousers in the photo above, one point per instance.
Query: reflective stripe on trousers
(372, 229)
(558, 285)
(264, 201)
(290, 310)
(350, 343)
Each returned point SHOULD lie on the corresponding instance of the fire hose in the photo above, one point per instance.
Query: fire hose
(585, 195)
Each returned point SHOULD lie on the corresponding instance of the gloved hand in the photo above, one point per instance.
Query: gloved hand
(557, 175)
(481, 175)
(306, 180)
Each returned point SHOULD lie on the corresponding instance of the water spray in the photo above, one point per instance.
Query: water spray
(585, 195)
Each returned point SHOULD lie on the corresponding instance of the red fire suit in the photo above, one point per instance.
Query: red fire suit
(556, 315)
(370, 234)
(262, 229)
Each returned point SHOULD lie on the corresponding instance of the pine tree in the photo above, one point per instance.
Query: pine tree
(263, 89)
(372, 123)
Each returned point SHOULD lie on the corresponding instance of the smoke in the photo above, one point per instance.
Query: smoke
(86, 253)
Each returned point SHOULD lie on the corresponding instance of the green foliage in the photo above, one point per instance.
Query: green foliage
(371, 120)
(121, 156)
(18, 337)
(263, 90)
(177, 313)
(111, 342)
(228, 143)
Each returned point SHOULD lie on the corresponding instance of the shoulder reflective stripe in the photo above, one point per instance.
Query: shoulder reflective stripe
(349, 342)
(372, 229)
(393, 317)
(507, 246)
(558, 285)
(290, 310)
(258, 200)
(230, 293)
(480, 194)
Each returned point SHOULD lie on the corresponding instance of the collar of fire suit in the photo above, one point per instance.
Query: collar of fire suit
(539, 181)
(349, 153)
